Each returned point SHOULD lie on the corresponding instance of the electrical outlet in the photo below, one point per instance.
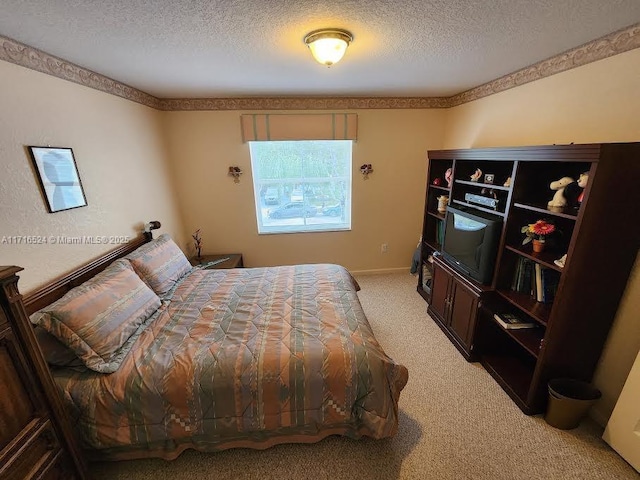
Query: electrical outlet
(383, 248)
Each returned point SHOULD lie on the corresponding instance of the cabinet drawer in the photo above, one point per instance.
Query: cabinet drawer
(57, 469)
(32, 456)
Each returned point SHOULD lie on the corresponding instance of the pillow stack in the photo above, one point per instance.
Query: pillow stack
(99, 321)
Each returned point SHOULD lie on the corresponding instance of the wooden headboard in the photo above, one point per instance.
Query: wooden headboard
(51, 292)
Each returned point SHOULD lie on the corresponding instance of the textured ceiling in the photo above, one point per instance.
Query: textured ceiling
(231, 48)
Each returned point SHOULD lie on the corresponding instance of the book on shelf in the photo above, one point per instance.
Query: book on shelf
(523, 277)
(538, 289)
(528, 282)
(533, 281)
(550, 281)
(511, 321)
(516, 274)
(440, 232)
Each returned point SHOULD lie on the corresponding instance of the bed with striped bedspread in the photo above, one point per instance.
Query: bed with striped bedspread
(242, 358)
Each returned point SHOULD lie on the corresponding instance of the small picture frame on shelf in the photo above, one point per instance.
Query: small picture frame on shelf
(488, 178)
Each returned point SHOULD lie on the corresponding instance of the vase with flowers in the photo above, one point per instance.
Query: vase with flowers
(537, 233)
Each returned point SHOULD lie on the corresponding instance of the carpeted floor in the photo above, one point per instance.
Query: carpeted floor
(455, 422)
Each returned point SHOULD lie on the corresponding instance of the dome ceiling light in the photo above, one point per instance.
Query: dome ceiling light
(328, 45)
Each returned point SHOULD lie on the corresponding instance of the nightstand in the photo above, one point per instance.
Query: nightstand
(234, 260)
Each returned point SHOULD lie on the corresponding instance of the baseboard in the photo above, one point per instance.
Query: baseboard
(379, 271)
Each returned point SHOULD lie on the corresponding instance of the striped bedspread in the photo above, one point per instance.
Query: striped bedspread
(242, 358)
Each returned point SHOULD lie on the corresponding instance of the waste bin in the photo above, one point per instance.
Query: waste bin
(569, 402)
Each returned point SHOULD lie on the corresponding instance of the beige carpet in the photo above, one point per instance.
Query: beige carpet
(455, 422)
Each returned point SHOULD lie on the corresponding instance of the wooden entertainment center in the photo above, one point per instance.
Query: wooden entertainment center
(600, 236)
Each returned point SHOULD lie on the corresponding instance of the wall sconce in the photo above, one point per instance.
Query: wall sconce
(152, 225)
(366, 169)
(328, 45)
(235, 172)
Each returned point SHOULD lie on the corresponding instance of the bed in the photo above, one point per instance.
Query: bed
(215, 359)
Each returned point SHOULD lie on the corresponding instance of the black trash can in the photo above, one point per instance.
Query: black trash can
(569, 402)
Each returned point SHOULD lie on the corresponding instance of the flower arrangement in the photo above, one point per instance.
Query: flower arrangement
(197, 242)
(537, 231)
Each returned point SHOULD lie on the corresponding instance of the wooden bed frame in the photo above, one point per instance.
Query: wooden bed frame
(45, 444)
(51, 292)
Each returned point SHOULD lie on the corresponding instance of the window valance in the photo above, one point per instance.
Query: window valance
(314, 126)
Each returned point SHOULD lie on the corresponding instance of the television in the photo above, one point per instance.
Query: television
(471, 240)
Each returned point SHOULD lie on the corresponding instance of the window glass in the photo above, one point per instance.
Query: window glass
(302, 186)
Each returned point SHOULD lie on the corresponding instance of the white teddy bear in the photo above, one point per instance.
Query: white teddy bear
(559, 199)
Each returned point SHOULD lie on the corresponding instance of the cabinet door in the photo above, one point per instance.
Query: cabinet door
(440, 292)
(17, 408)
(463, 312)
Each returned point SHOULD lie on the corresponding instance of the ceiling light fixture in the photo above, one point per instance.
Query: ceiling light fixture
(328, 45)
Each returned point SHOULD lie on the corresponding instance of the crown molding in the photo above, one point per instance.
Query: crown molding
(29, 57)
(617, 42)
(301, 103)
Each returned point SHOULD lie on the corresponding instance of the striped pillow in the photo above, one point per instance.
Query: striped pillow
(160, 263)
(97, 319)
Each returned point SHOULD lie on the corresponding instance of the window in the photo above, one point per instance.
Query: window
(302, 186)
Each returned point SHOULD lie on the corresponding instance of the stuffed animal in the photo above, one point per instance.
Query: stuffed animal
(448, 176)
(582, 183)
(574, 192)
(559, 200)
(571, 194)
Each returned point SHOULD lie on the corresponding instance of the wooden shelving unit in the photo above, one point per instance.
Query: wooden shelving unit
(434, 223)
(572, 328)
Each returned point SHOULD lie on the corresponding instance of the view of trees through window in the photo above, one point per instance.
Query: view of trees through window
(302, 186)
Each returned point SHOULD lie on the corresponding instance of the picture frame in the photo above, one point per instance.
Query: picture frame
(58, 178)
(489, 178)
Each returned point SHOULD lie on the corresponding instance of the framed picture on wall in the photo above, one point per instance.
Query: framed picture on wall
(58, 176)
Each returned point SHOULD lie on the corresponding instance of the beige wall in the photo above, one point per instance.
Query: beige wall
(121, 160)
(123, 150)
(595, 103)
(598, 102)
(387, 208)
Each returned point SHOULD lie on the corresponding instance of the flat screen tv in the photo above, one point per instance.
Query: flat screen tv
(471, 240)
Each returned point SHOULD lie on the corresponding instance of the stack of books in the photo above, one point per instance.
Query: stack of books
(536, 280)
(511, 321)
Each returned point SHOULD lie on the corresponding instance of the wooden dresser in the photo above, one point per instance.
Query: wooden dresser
(36, 439)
